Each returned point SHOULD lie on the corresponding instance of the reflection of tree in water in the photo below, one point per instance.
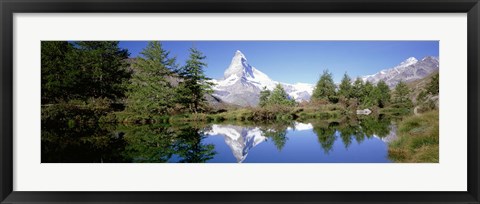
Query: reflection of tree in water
(188, 145)
(148, 143)
(359, 136)
(326, 135)
(180, 143)
(366, 127)
(379, 126)
(159, 143)
(81, 144)
(277, 132)
(111, 143)
(347, 133)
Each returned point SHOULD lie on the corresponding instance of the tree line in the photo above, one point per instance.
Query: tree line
(361, 93)
(348, 92)
(278, 96)
(83, 70)
(101, 72)
(160, 86)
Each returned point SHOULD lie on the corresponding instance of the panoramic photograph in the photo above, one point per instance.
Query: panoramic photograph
(240, 101)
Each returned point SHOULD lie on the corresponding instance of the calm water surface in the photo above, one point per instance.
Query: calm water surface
(356, 141)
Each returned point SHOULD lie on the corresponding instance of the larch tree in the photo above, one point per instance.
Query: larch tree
(59, 74)
(104, 69)
(383, 94)
(195, 84)
(368, 98)
(280, 97)
(264, 96)
(325, 87)
(83, 70)
(151, 91)
(401, 95)
(345, 87)
(358, 89)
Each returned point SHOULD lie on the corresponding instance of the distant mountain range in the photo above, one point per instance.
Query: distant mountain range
(242, 83)
(407, 71)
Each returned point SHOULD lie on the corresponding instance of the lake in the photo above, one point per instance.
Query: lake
(362, 140)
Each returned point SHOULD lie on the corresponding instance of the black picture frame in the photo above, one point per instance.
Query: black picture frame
(10, 7)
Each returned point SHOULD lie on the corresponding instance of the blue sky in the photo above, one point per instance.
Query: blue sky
(299, 61)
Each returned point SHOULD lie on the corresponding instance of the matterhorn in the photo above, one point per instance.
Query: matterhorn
(242, 83)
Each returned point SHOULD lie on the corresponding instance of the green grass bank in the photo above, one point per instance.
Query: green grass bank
(418, 139)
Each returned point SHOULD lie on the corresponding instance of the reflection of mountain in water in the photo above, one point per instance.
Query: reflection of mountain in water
(159, 143)
(391, 136)
(239, 139)
(242, 139)
(302, 126)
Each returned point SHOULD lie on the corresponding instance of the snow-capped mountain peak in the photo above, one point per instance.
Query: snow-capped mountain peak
(238, 66)
(239, 54)
(409, 70)
(242, 84)
(409, 61)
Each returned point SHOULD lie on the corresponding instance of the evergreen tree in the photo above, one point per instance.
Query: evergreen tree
(401, 95)
(368, 98)
(378, 95)
(434, 86)
(195, 84)
(325, 88)
(83, 70)
(383, 94)
(431, 89)
(150, 91)
(357, 89)
(104, 69)
(345, 87)
(280, 97)
(264, 96)
(59, 74)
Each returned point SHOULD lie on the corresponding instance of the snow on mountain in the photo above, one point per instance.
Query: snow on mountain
(242, 139)
(242, 84)
(239, 139)
(409, 70)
